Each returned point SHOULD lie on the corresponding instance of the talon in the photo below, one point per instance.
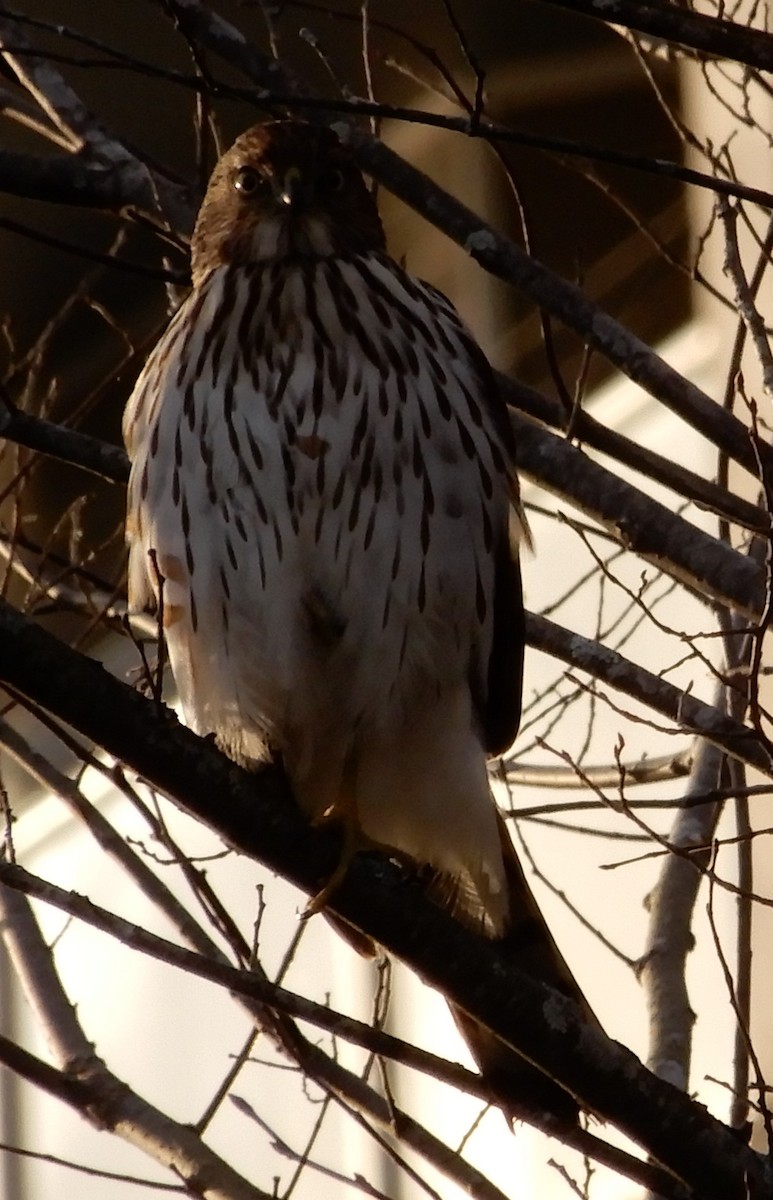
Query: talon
(331, 813)
(318, 902)
(346, 814)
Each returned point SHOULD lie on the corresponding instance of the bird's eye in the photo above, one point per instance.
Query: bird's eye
(335, 179)
(247, 180)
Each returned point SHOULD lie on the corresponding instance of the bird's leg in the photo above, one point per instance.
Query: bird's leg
(344, 812)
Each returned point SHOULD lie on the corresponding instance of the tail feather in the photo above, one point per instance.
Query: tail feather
(528, 940)
(529, 944)
(520, 1087)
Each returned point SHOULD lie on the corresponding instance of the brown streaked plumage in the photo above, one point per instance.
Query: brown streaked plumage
(322, 474)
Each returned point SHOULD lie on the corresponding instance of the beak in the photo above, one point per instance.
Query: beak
(290, 189)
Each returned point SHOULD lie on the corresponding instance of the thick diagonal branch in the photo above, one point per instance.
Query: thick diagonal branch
(257, 816)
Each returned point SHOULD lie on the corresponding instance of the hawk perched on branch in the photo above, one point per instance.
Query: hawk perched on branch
(322, 490)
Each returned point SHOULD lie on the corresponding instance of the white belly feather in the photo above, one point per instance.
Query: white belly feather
(325, 554)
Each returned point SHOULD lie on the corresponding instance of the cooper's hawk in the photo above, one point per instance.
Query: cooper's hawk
(322, 485)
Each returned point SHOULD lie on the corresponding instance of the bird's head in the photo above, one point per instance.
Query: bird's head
(284, 189)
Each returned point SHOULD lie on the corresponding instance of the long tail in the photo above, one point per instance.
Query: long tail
(519, 1085)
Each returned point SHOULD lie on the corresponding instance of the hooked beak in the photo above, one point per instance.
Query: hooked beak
(290, 188)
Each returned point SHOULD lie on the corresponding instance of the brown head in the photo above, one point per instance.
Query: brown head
(284, 189)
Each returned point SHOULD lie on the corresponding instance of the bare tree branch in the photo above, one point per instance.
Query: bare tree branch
(683, 27)
(86, 135)
(703, 563)
(266, 994)
(98, 1094)
(669, 940)
(69, 445)
(692, 1155)
(376, 898)
(495, 253)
